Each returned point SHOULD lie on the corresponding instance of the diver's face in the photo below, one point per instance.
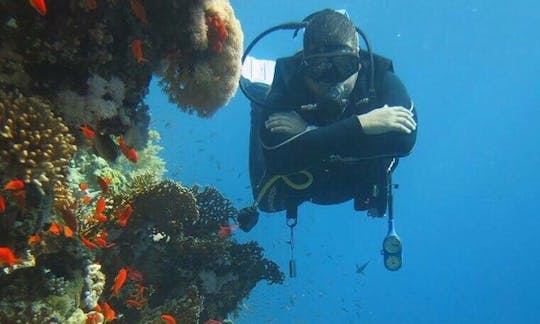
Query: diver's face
(324, 70)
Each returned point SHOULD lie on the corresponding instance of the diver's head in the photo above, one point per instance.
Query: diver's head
(330, 58)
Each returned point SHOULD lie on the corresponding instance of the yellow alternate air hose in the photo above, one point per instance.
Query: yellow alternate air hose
(289, 182)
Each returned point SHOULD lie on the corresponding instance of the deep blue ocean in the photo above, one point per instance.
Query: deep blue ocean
(466, 209)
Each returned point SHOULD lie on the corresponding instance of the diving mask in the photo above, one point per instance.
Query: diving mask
(333, 67)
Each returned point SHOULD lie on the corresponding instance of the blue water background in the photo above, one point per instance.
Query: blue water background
(466, 208)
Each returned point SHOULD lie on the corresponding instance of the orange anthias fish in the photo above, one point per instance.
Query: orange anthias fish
(2, 204)
(40, 6)
(104, 183)
(137, 51)
(138, 10)
(226, 230)
(7, 257)
(83, 186)
(34, 239)
(101, 240)
(87, 131)
(168, 319)
(93, 317)
(129, 152)
(14, 185)
(100, 206)
(55, 228)
(99, 216)
(88, 243)
(123, 215)
(119, 282)
(108, 313)
(86, 200)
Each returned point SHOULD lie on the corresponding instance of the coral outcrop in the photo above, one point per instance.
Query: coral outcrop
(89, 235)
(172, 240)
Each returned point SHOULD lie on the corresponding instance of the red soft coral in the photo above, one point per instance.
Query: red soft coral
(217, 33)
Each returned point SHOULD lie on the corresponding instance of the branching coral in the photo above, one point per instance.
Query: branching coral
(34, 143)
(206, 76)
(172, 239)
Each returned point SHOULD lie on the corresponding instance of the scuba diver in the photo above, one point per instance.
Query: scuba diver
(330, 128)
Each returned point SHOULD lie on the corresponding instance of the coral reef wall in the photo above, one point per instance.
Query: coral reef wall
(90, 232)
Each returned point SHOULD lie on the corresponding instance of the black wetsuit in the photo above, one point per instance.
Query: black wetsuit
(345, 162)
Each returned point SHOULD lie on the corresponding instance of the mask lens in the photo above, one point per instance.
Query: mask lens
(331, 68)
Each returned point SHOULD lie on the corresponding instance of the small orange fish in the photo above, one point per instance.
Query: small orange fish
(93, 317)
(2, 204)
(7, 257)
(138, 10)
(56, 229)
(14, 185)
(100, 206)
(88, 243)
(39, 6)
(68, 232)
(103, 243)
(226, 230)
(87, 131)
(104, 183)
(119, 281)
(132, 155)
(136, 303)
(137, 51)
(34, 239)
(108, 312)
(129, 152)
(86, 200)
(101, 240)
(123, 215)
(83, 186)
(168, 319)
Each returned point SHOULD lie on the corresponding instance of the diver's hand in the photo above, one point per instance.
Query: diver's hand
(387, 119)
(288, 123)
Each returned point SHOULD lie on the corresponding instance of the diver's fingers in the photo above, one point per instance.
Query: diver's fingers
(409, 123)
(399, 109)
(280, 122)
(279, 118)
(280, 129)
(401, 128)
(283, 115)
